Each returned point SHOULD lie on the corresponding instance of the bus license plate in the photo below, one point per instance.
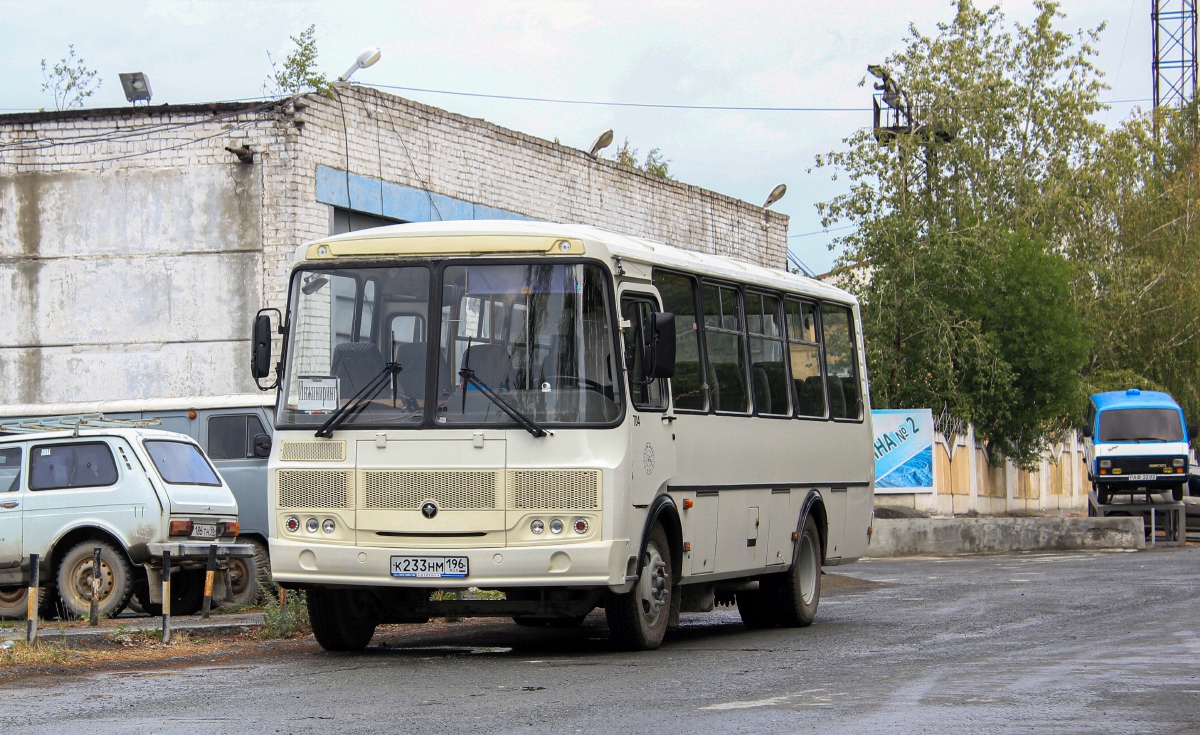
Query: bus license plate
(429, 566)
(204, 530)
(1136, 478)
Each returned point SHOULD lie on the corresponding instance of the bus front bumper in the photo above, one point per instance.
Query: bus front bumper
(592, 564)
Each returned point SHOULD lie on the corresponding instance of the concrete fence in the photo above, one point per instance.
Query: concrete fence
(965, 482)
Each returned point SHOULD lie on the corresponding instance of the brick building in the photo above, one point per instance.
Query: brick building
(137, 243)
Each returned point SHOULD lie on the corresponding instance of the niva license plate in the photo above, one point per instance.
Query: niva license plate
(429, 566)
(204, 530)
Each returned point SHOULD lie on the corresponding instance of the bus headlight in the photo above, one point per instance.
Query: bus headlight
(537, 527)
(311, 525)
(556, 526)
(328, 525)
(292, 524)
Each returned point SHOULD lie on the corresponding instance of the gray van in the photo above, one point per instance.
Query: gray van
(235, 432)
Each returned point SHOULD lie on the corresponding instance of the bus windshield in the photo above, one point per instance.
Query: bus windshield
(538, 336)
(1140, 424)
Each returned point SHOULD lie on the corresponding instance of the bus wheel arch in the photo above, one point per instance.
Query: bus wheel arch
(814, 506)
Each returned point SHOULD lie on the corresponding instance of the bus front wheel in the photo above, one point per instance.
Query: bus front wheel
(637, 620)
(342, 620)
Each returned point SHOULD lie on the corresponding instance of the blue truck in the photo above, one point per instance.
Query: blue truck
(1136, 442)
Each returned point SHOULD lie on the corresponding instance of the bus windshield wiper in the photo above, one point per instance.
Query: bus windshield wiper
(359, 401)
(526, 423)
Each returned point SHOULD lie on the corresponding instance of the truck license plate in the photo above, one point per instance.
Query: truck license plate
(429, 566)
(204, 530)
(1142, 477)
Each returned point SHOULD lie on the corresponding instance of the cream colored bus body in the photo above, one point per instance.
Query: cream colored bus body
(745, 478)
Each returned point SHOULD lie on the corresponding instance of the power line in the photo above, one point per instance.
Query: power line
(820, 232)
(597, 103)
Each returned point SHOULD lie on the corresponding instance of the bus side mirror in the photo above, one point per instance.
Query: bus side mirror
(658, 345)
(262, 445)
(1087, 432)
(260, 347)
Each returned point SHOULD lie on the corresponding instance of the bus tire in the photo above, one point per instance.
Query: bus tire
(342, 620)
(798, 591)
(74, 579)
(637, 620)
(757, 607)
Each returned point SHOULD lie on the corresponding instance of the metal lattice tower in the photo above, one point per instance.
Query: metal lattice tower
(1174, 65)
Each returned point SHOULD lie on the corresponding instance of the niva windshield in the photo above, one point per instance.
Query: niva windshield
(1140, 424)
(538, 336)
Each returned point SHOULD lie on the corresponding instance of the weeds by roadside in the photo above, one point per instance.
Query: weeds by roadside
(285, 620)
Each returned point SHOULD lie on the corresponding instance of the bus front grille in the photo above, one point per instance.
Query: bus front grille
(450, 489)
(313, 451)
(554, 489)
(315, 488)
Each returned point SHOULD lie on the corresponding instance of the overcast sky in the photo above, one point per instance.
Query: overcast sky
(741, 53)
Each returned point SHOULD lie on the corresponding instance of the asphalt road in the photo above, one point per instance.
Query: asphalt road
(1062, 643)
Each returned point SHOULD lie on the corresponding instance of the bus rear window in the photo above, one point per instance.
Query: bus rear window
(1140, 424)
(181, 463)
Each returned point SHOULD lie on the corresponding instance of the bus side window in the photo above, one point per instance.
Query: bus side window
(804, 354)
(768, 372)
(650, 395)
(724, 348)
(845, 399)
(679, 297)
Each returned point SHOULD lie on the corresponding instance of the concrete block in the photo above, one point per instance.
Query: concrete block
(949, 536)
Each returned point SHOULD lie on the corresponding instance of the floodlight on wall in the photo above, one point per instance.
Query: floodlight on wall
(603, 141)
(366, 57)
(775, 195)
(136, 86)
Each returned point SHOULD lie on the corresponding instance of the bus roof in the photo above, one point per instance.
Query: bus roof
(240, 400)
(1133, 398)
(519, 236)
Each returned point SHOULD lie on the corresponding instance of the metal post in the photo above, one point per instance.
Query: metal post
(209, 573)
(166, 597)
(32, 601)
(94, 608)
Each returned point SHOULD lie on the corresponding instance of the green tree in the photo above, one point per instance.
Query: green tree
(655, 163)
(1140, 241)
(299, 74)
(961, 216)
(69, 81)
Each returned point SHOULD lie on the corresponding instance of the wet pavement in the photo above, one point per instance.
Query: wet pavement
(1078, 643)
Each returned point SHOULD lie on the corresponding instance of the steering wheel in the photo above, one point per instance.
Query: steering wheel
(587, 383)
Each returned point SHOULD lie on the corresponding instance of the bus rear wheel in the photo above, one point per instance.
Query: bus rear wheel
(637, 620)
(342, 620)
(789, 599)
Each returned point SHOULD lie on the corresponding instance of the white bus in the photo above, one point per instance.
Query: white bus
(575, 418)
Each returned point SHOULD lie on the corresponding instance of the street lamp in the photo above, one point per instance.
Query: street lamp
(366, 57)
(775, 195)
(603, 141)
(136, 86)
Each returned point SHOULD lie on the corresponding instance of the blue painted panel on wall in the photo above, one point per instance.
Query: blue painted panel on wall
(365, 194)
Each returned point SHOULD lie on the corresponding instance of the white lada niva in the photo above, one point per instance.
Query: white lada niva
(134, 493)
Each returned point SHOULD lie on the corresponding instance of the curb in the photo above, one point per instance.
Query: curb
(948, 536)
(49, 633)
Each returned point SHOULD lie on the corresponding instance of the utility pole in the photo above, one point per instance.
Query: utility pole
(1174, 39)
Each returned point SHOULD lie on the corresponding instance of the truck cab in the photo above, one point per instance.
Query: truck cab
(1136, 442)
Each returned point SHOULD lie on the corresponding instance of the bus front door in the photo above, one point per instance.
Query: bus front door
(651, 422)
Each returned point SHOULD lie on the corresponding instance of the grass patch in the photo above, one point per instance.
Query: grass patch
(286, 619)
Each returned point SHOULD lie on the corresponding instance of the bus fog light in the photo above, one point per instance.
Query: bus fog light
(581, 525)
(311, 525)
(328, 525)
(537, 527)
(292, 524)
(1178, 461)
(1106, 463)
(556, 526)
